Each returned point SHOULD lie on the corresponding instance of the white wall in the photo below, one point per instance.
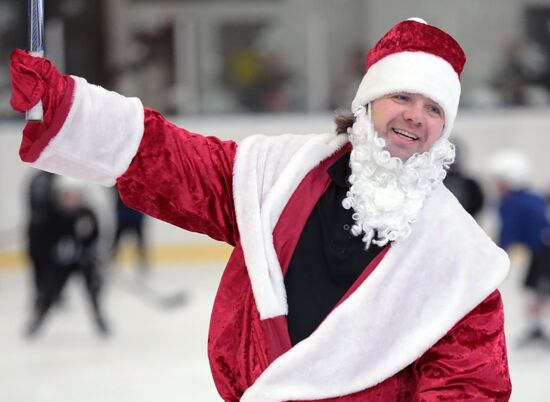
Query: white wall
(481, 134)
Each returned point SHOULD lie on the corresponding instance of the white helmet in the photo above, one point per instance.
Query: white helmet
(512, 167)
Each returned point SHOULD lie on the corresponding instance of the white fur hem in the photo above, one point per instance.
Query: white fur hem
(99, 138)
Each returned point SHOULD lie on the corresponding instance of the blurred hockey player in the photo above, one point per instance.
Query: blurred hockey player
(524, 221)
(73, 232)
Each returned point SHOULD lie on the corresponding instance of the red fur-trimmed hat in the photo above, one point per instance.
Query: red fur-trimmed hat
(418, 58)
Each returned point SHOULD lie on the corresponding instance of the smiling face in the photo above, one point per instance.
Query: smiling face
(409, 123)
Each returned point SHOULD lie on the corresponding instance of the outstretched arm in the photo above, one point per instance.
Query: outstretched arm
(100, 136)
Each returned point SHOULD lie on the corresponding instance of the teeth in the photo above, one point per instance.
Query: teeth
(405, 134)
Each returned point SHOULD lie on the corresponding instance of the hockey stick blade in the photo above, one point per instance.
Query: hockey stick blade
(144, 292)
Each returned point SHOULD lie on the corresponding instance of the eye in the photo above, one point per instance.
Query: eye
(435, 110)
(401, 98)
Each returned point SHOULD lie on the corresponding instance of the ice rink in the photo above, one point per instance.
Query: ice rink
(157, 354)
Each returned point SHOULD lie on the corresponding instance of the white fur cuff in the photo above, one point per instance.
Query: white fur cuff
(99, 138)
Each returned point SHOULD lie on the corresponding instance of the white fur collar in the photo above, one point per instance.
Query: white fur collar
(422, 287)
(267, 171)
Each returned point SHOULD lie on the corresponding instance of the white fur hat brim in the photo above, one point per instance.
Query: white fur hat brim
(413, 72)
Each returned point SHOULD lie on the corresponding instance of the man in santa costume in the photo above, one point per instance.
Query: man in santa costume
(355, 274)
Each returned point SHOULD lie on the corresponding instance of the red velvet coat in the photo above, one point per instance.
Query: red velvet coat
(186, 179)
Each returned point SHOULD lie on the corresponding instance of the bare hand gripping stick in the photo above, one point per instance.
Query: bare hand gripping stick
(35, 15)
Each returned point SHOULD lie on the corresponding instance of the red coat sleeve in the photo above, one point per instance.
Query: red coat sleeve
(182, 178)
(470, 362)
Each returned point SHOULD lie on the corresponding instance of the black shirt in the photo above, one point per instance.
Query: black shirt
(327, 260)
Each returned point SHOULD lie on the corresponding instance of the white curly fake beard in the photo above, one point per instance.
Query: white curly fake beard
(386, 193)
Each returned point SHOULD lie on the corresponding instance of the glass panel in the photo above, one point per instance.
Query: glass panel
(13, 34)
(255, 75)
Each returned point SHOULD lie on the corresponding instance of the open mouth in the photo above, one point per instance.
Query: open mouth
(405, 134)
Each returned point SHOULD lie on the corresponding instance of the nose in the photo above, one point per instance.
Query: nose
(413, 113)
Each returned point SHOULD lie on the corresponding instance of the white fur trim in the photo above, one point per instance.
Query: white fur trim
(265, 175)
(414, 72)
(99, 138)
(423, 286)
(417, 19)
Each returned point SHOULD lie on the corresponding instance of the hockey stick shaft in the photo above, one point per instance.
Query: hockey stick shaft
(35, 16)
